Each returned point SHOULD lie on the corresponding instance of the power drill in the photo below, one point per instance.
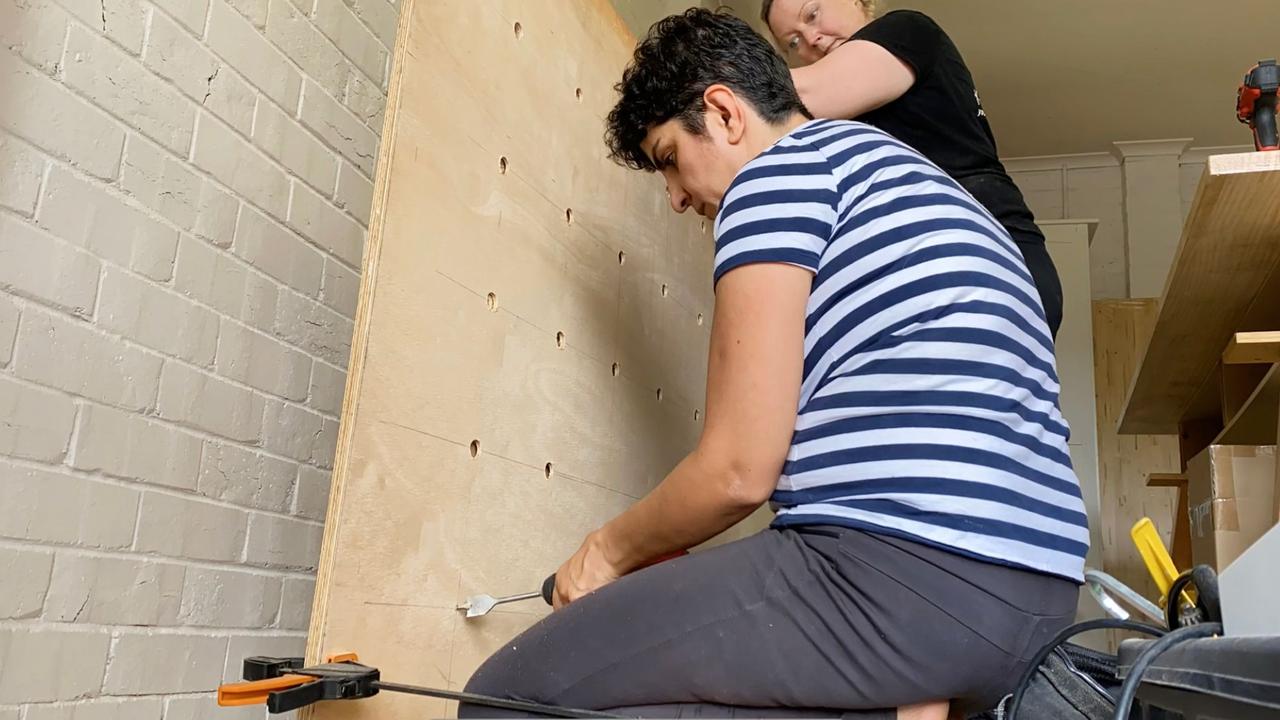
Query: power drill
(1256, 103)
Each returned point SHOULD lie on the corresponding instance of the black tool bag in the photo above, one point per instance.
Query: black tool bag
(1069, 682)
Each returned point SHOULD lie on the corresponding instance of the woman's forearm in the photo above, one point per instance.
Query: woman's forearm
(698, 500)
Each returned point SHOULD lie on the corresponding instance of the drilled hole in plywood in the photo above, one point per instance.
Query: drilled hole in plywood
(560, 340)
(703, 226)
(491, 301)
(697, 415)
(519, 30)
(664, 289)
(578, 94)
(475, 448)
(615, 369)
(502, 165)
(568, 216)
(659, 394)
(548, 470)
(699, 318)
(622, 257)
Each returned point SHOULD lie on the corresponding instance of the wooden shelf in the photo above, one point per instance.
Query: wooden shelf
(1253, 347)
(1255, 423)
(1223, 280)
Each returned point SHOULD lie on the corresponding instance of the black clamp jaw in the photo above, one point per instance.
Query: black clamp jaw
(285, 684)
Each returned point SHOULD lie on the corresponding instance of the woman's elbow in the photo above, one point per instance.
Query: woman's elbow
(746, 485)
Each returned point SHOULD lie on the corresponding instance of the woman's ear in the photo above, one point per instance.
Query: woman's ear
(725, 110)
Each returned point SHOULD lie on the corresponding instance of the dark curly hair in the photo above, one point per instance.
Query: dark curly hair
(680, 57)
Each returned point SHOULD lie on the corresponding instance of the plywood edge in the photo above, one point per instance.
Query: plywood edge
(1237, 163)
(360, 338)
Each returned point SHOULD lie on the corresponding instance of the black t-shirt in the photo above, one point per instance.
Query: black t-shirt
(942, 117)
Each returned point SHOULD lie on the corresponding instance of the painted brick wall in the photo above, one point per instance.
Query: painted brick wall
(184, 190)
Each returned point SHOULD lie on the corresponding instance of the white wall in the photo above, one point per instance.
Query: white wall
(1092, 186)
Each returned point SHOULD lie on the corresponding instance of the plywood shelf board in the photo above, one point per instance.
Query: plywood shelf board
(1225, 262)
(1253, 347)
(1255, 422)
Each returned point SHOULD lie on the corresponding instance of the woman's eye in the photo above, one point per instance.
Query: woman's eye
(793, 43)
(813, 15)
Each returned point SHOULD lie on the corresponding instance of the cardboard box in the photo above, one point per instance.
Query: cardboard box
(1231, 492)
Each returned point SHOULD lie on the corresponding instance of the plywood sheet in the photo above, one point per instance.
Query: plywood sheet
(1120, 331)
(531, 339)
(1226, 264)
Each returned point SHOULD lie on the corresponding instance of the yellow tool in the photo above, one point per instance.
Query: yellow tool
(1159, 562)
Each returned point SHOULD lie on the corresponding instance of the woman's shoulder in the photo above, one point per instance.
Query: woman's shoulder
(900, 18)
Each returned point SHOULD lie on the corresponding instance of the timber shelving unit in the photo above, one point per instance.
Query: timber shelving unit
(1211, 370)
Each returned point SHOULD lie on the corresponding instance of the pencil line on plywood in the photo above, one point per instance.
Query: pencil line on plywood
(503, 309)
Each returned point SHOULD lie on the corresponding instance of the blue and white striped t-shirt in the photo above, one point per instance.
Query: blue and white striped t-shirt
(929, 404)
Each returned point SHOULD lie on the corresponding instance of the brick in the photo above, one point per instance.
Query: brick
(146, 708)
(269, 645)
(283, 543)
(322, 62)
(46, 269)
(188, 528)
(209, 403)
(341, 288)
(9, 317)
(278, 252)
(295, 604)
(131, 446)
(241, 167)
(354, 194)
(124, 21)
(36, 422)
(328, 383)
(46, 114)
(157, 318)
(291, 431)
(52, 507)
(160, 181)
(20, 182)
(261, 301)
(58, 352)
(118, 84)
(43, 664)
(339, 129)
(313, 492)
(314, 328)
(216, 214)
(381, 17)
(147, 663)
(210, 276)
(206, 708)
(326, 444)
(367, 100)
(176, 56)
(113, 591)
(191, 13)
(297, 149)
(26, 580)
(356, 41)
(246, 477)
(262, 362)
(325, 225)
(87, 215)
(255, 11)
(34, 30)
(234, 39)
(226, 598)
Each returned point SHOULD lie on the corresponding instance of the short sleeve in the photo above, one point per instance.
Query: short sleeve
(779, 209)
(910, 36)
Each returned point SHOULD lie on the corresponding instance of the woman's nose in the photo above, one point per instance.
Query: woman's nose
(679, 199)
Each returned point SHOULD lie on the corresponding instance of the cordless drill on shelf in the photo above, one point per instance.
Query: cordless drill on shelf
(1256, 103)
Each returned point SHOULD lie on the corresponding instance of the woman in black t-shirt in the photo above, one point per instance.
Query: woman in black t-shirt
(902, 74)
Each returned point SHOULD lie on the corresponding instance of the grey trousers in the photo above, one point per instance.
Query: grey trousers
(804, 622)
